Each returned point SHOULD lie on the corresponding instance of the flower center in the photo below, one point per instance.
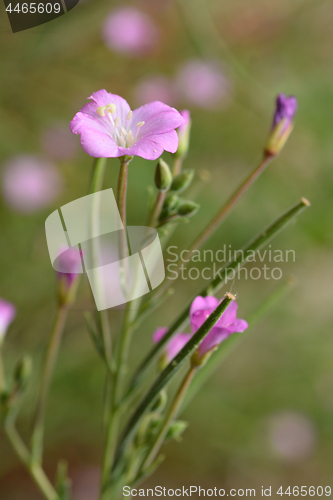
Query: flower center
(120, 130)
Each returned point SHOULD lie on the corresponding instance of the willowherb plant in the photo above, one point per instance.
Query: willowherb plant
(138, 415)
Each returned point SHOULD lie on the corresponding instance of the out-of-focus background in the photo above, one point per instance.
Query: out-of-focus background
(265, 417)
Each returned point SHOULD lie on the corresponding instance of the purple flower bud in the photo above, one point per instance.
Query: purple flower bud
(201, 309)
(286, 108)
(174, 345)
(7, 314)
(282, 125)
(69, 261)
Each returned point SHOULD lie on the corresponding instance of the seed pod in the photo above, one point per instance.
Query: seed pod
(182, 181)
(163, 176)
(188, 209)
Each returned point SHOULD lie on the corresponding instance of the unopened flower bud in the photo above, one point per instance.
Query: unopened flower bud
(170, 204)
(176, 430)
(69, 262)
(163, 176)
(188, 209)
(184, 134)
(22, 372)
(182, 181)
(282, 126)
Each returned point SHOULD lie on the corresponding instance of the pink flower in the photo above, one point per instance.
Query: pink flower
(202, 83)
(58, 142)
(129, 31)
(109, 128)
(201, 309)
(174, 345)
(156, 88)
(30, 183)
(69, 263)
(7, 314)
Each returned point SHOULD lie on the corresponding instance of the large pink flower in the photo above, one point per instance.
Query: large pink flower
(109, 128)
(201, 309)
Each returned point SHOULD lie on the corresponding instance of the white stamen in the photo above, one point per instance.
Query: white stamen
(117, 121)
(101, 111)
(129, 116)
(140, 124)
(123, 131)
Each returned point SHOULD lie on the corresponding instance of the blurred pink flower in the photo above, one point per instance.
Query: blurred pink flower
(202, 83)
(292, 435)
(174, 345)
(30, 183)
(129, 31)
(69, 264)
(156, 88)
(109, 128)
(201, 309)
(7, 314)
(58, 142)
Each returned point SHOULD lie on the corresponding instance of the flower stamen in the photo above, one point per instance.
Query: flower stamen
(140, 124)
(129, 116)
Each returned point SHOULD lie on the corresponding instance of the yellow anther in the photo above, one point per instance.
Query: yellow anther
(101, 110)
(129, 116)
(117, 121)
(140, 124)
(111, 108)
(123, 130)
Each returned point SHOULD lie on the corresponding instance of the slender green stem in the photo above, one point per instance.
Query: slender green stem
(169, 372)
(123, 343)
(34, 469)
(172, 413)
(2, 373)
(177, 165)
(254, 245)
(50, 361)
(156, 210)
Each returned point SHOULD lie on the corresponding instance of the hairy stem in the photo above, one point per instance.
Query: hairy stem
(34, 469)
(172, 413)
(49, 364)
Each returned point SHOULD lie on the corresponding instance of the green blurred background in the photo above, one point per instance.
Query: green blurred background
(265, 417)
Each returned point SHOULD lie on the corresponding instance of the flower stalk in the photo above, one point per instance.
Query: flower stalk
(49, 365)
(172, 413)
